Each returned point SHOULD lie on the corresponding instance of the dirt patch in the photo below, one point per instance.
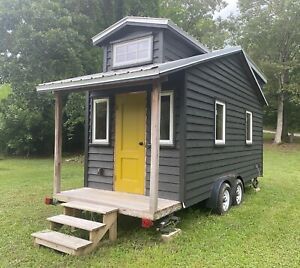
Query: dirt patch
(284, 147)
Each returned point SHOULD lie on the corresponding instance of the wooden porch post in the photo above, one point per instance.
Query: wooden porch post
(57, 144)
(155, 137)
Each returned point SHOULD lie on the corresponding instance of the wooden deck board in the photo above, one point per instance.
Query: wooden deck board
(128, 204)
(60, 239)
(101, 209)
(76, 222)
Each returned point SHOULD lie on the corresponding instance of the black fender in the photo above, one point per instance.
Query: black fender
(212, 200)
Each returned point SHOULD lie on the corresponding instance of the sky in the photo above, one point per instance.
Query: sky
(230, 8)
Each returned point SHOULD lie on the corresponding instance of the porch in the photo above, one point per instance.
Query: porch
(128, 204)
(129, 148)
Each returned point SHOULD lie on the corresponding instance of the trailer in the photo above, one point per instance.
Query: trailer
(168, 124)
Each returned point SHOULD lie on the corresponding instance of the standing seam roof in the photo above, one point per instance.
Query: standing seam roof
(152, 71)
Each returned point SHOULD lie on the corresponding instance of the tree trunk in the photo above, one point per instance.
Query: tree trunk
(291, 137)
(285, 130)
(279, 127)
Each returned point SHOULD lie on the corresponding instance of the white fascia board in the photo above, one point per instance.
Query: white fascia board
(251, 70)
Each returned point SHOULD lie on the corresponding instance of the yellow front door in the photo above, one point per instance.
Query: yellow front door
(129, 143)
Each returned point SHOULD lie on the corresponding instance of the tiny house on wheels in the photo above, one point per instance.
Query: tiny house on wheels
(168, 124)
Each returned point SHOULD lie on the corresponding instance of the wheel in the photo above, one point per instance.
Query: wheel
(224, 199)
(237, 193)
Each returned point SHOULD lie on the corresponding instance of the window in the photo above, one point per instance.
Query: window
(132, 52)
(166, 118)
(248, 127)
(220, 116)
(100, 121)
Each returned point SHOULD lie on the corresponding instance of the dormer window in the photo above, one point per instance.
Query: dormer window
(133, 52)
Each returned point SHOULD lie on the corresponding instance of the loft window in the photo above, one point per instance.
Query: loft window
(133, 52)
(166, 118)
(249, 127)
(220, 119)
(100, 133)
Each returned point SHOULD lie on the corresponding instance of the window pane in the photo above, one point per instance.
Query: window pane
(144, 44)
(121, 49)
(121, 57)
(165, 118)
(132, 52)
(143, 53)
(219, 122)
(131, 56)
(101, 117)
(248, 126)
(132, 47)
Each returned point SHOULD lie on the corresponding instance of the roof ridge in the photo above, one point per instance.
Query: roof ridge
(166, 22)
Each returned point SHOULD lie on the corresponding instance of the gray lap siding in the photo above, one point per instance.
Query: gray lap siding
(204, 161)
(175, 50)
(102, 156)
(169, 165)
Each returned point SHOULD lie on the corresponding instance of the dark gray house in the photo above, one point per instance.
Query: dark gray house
(168, 124)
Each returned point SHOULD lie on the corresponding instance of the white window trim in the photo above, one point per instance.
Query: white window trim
(106, 140)
(224, 122)
(251, 128)
(137, 61)
(170, 141)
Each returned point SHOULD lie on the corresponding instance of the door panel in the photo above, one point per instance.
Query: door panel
(129, 154)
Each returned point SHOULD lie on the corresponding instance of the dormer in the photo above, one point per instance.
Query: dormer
(138, 41)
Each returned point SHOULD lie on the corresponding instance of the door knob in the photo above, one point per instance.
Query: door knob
(141, 143)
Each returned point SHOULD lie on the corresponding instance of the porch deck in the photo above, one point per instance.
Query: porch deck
(128, 204)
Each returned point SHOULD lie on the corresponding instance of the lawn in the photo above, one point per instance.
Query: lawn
(263, 232)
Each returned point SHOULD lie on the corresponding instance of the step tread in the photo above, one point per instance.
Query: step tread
(98, 208)
(56, 238)
(76, 222)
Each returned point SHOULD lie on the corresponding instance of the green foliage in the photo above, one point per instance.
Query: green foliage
(42, 41)
(196, 17)
(269, 31)
(45, 40)
(24, 125)
(5, 90)
(263, 232)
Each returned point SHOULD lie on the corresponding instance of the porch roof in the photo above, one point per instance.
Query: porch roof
(145, 73)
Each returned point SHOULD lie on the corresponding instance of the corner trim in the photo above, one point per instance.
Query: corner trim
(86, 137)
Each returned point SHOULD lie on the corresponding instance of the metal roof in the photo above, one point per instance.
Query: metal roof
(148, 22)
(147, 72)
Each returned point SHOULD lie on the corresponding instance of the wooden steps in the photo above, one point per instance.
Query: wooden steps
(76, 222)
(74, 245)
(61, 242)
(101, 209)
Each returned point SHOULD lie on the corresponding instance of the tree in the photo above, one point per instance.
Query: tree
(41, 41)
(196, 17)
(269, 31)
(44, 41)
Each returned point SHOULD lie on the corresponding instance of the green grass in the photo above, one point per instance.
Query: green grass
(263, 232)
(5, 89)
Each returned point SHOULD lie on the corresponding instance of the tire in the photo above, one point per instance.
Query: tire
(224, 199)
(237, 193)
